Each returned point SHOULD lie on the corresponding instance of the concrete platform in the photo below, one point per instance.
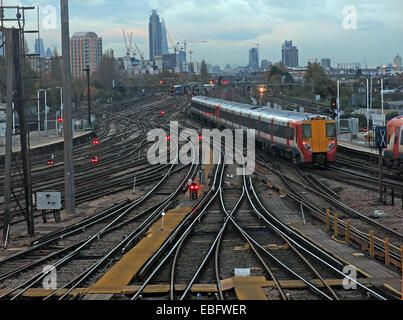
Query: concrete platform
(45, 143)
(360, 144)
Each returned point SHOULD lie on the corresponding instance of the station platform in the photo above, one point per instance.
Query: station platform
(44, 143)
(360, 144)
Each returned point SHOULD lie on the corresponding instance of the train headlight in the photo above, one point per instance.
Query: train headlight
(306, 145)
(331, 146)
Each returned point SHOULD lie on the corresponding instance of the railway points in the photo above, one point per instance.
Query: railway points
(136, 252)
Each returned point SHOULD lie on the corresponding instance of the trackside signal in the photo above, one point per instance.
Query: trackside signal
(194, 188)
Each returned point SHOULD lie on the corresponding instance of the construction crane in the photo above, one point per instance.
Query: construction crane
(185, 43)
(140, 54)
(127, 46)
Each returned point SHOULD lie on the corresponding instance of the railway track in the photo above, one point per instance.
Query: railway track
(230, 221)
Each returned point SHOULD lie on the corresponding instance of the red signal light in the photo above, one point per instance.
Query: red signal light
(168, 138)
(175, 105)
(95, 142)
(200, 137)
(194, 186)
(162, 112)
(60, 119)
(51, 162)
(94, 160)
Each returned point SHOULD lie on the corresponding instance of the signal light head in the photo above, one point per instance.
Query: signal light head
(168, 138)
(51, 162)
(162, 112)
(95, 159)
(194, 186)
(60, 119)
(95, 142)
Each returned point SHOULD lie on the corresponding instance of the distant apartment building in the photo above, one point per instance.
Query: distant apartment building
(397, 63)
(254, 59)
(326, 64)
(289, 54)
(85, 50)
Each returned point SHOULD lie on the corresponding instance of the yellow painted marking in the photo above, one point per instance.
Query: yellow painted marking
(120, 275)
(250, 288)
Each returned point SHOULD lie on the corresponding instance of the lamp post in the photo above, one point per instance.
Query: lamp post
(338, 107)
(39, 115)
(46, 110)
(89, 94)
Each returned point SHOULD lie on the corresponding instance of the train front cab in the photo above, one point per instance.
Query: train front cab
(394, 152)
(318, 140)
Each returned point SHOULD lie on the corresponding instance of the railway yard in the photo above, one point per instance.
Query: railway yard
(281, 233)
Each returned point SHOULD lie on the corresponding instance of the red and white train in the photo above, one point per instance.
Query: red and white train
(393, 154)
(300, 137)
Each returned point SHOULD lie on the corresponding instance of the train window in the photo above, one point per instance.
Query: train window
(401, 139)
(306, 130)
(330, 130)
(291, 133)
(397, 135)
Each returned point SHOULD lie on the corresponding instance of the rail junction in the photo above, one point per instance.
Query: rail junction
(281, 233)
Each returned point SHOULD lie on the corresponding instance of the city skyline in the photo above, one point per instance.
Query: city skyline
(231, 35)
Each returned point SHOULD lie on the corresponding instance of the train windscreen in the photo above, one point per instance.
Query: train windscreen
(330, 130)
(306, 131)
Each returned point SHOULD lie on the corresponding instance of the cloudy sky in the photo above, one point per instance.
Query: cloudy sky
(319, 28)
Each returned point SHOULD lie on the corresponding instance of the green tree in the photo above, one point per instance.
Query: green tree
(107, 70)
(323, 85)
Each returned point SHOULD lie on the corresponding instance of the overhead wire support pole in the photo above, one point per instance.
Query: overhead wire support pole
(68, 125)
(88, 70)
(9, 120)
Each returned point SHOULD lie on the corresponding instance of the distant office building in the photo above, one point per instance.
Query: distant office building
(85, 50)
(349, 66)
(49, 53)
(289, 54)
(1, 44)
(181, 63)
(265, 64)
(326, 64)
(254, 59)
(216, 69)
(155, 37)
(164, 39)
(169, 62)
(397, 63)
(39, 48)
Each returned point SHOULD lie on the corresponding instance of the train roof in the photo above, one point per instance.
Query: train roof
(398, 119)
(256, 111)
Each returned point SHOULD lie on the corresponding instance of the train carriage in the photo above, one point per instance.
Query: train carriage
(301, 137)
(394, 151)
